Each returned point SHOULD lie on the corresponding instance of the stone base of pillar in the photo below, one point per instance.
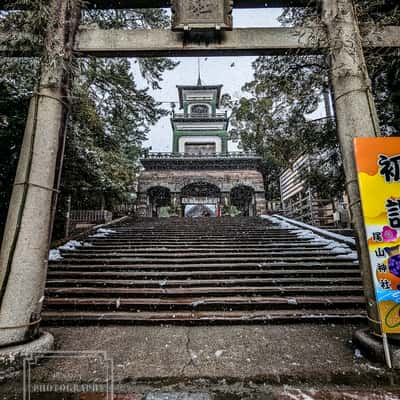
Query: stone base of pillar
(12, 357)
(371, 346)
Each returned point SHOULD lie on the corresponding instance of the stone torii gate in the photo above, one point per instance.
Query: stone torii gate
(23, 257)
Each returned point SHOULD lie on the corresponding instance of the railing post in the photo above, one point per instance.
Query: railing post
(310, 206)
(24, 251)
(68, 216)
(356, 116)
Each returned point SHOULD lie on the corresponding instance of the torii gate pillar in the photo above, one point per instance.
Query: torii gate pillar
(24, 252)
(356, 116)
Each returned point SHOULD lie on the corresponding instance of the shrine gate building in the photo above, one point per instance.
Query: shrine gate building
(200, 177)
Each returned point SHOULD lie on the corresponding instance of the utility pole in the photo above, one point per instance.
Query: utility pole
(356, 117)
(24, 252)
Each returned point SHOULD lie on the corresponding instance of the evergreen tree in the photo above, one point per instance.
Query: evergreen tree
(16, 81)
(110, 116)
(273, 116)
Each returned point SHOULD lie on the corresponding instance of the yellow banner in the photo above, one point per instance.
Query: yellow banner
(378, 168)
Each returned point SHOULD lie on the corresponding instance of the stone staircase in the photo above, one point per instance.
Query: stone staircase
(242, 270)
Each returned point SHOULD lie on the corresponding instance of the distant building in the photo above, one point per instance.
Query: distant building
(293, 186)
(200, 177)
(299, 201)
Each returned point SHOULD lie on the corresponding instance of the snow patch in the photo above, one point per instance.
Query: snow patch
(341, 249)
(297, 394)
(102, 232)
(197, 303)
(357, 354)
(71, 245)
(219, 353)
(303, 234)
(373, 367)
(350, 256)
(193, 355)
(330, 245)
(277, 221)
(55, 255)
(325, 243)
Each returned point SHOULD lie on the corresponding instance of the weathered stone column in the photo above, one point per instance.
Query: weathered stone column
(356, 117)
(24, 252)
(261, 203)
(225, 199)
(175, 203)
(142, 205)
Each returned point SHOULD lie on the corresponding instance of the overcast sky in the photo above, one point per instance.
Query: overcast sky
(214, 70)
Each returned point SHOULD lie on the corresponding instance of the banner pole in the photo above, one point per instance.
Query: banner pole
(386, 350)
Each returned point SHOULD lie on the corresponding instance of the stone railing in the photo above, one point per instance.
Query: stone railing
(173, 156)
(91, 216)
(201, 115)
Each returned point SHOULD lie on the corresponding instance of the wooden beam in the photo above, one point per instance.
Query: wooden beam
(120, 4)
(244, 41)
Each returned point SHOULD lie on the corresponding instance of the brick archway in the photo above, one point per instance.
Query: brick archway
(158, 196)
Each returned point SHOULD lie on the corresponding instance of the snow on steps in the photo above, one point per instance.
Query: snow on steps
(228, 270)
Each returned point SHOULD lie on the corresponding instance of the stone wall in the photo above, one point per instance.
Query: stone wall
(225, 180)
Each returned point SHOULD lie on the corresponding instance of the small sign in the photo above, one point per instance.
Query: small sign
(378, 168)
(201, 14)
(200, 200)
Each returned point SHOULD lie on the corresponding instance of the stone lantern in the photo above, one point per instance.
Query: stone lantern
(201, 15)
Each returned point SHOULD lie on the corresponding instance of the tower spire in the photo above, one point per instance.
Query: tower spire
(199, 83)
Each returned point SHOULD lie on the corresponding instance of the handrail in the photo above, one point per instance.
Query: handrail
(319, 231)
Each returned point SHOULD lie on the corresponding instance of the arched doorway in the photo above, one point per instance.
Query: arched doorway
(159, 198)
(201, 199)
(242, 197)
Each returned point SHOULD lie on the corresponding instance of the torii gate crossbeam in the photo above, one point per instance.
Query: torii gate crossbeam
(238, 42)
